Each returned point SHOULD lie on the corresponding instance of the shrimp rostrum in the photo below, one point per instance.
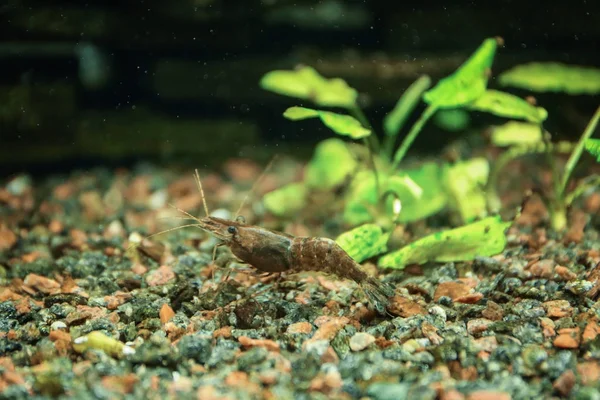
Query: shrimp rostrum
(276, 252)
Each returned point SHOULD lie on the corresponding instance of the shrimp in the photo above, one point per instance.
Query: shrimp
(270, 251)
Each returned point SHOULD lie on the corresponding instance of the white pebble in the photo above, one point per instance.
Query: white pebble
(56, 325)
(361, 341)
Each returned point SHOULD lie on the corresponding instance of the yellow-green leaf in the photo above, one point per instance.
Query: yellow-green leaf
(516, 133)
(465, 182)
(593, 147)
(286, 200)
(307, 84)
(483, 238)
(553, 77)
(330, 166)
(364, 242)
(341, 124)
(468, 82)
(507, 105)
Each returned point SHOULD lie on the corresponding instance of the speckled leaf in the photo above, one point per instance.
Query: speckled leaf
(341, 124)
(468, 82)
(593, 146)
(465, 182)
(483, 238)
(553, 77)
(307, 84)
(507, 105)
(516, 133)
(286, 200)
(364, 242)
(394, 121)
(331, 164)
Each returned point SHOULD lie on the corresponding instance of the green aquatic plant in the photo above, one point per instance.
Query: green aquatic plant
(560, 199)
(370, 195)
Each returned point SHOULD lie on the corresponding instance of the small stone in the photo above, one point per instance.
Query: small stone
(591, 331)
(493, 311)
(405, 307)
(589, 372)
(361, 341)
(7, 239)
(42, 284)
(565, 273)
(543, 268)
(557, 308)
(568, 338)
(266, 343)
(488, 395)
(299, 327)
(478, 325)
(160, 276)
(564, 383)
(166, 313)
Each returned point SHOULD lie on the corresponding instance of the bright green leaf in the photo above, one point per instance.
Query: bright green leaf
(364, 242)
(452, 119)
(507, 105)
(593, 146)
(465, 182)
(516, 133)
(341, 124)
(287, 200)
(468, 82)
(553, 77)
(307, 84)
(394, 121)
(362, 203)
(331, 164)
(483, 238)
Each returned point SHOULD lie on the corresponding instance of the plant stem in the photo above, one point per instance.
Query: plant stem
(394, 121)
(372, 138)
(589, 130)
(588, 183)
(412, 134)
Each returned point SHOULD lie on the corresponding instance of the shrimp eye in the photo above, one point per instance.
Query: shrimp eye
(231, 229)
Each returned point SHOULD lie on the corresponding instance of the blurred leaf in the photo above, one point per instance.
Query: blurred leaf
(515, 133)
(507, 105)
(553, 77)
(452, 120)
(394, 121)
(362, 201)
(286, 200)
(468, 82)
(465, 182)
(593, 147)
(364, 242)
(344, 125)
(480, 239)
(331, 164)
(307, 84)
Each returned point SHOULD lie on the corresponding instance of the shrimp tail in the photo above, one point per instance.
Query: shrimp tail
(378, 293)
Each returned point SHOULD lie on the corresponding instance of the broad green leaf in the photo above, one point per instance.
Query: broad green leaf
(465, 183)
(483, 238)
(507, 105)
(287, 200)
(341, 124)
(468, 82)
(516, 133)
(452, 119)
(307, 84)
(363, 205)
(364, 242)
(553, 77)
(331, 164)
(593, 147)
(394, 121)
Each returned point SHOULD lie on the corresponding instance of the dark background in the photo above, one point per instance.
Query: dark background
(182, 81)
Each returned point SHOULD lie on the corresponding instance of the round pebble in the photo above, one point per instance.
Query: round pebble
(361, 341)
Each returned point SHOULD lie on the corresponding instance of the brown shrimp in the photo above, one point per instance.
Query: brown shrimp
(275, 252)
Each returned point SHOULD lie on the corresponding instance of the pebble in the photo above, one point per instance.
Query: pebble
(361, 341)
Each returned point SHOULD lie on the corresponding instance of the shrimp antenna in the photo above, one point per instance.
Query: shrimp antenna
(260, 178)
(199, 183)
